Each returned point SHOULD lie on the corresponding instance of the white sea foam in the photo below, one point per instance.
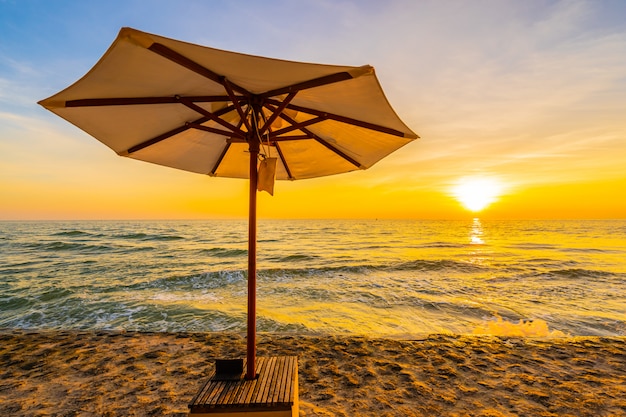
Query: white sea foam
(523, 328)
(168, 297)
(534, 278)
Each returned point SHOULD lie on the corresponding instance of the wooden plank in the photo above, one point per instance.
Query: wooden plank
(225, 391)
(293, 384)
(283, 396)
(201, 392)
(260, 395)
(214, 394)
(280, 398)
(279, 384)
(261, 364)
(204, 392)
(240, 388)
(272, 391)
(261, 367)
(269, 382)
(229, 392)
(274, 384)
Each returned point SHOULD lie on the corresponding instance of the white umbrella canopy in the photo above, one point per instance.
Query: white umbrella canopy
(181, 105)
(214, 112)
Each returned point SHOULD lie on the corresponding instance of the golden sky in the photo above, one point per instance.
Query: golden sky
(528, 95)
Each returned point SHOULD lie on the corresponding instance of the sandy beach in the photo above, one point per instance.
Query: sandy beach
(75, 373)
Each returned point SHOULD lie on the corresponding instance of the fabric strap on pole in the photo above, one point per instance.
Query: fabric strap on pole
(267, 175)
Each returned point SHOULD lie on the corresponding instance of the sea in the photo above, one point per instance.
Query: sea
(380, 278)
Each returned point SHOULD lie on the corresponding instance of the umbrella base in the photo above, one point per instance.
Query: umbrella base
(273, 394)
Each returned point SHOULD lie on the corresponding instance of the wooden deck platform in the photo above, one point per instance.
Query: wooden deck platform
(273, 394)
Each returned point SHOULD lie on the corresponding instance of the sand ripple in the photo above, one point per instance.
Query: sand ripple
(73, 373)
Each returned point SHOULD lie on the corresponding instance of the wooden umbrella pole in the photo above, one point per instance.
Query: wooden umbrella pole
(251, 340)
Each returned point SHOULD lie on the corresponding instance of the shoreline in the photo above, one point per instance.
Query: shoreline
(114, 373)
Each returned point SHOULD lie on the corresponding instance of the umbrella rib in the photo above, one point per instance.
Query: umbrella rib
(282, 158)
(292, 137)
(210, 129)
(172, 132)
(348, 120)
(335, 150)
(219, 160)
(161, 137)
(317, 82)
(182, 60)
(277, 111)
(126, 101)
(226, 148)
(296, 126)
(325, 143)
(235, 130)
(231, 94)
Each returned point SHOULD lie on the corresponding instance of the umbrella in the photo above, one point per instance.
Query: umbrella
(228, 114)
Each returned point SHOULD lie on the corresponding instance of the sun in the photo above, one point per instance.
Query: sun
(476, 193)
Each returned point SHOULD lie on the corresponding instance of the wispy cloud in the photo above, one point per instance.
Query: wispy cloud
(531, 92)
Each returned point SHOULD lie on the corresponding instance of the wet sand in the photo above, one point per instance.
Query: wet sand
(73, 373)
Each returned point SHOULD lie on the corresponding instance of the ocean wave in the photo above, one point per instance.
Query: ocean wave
(451, 309)
(40, 298)
(315, 275)
(442, 245)
(437, 265)
(268, 324)
(222, 278)
(269, 240)
(54, 294)
(10, 272)
(592, 250)
(205, 280)
(185, 297)
(22, 264)
(130, 315)
(367, 268)
(577, 273)
(14, 304)
(568, 273)
(532, 246)
(146, 236)
(283, 273)
(72, 233)
(59, 246)
(295, 258)
(224, 252)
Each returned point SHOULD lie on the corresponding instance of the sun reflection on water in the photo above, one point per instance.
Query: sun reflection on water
(476, 233)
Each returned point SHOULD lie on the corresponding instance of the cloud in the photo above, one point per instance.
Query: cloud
(527, 92)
